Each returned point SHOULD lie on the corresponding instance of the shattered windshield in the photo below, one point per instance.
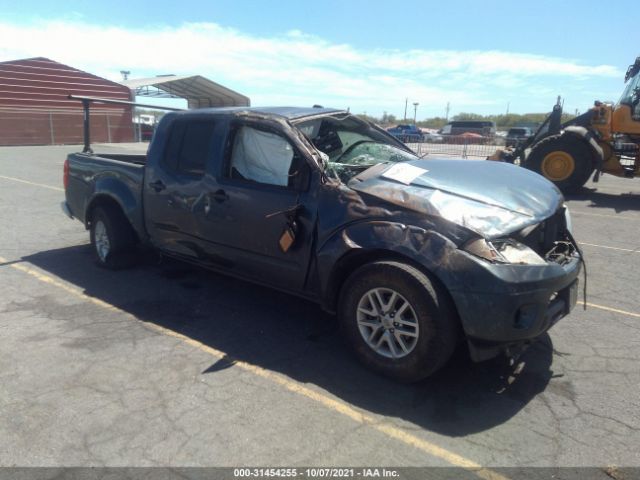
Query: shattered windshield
(351, 145)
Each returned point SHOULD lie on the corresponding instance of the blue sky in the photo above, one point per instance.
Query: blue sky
(366, 55)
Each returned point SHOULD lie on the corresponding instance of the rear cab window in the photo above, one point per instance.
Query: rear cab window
(190, 145)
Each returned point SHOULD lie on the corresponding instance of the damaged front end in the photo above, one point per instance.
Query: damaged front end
(535, 284)
(536, 244)
(513, 272)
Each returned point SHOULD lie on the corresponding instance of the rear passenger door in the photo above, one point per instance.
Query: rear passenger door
(174, 190)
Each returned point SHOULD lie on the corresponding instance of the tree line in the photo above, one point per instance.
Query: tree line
(502, 121)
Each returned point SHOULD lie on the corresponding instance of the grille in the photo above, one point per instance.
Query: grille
(541, 238)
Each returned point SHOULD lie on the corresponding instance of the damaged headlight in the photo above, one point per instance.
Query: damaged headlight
(488, 220)
(503, 251)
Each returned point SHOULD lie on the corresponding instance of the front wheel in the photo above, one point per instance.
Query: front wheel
(398, 322)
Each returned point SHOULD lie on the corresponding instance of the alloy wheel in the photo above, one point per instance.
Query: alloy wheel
(387, 322)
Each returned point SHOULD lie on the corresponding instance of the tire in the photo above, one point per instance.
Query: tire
(437, 325)
(112, 238)
(565, 160)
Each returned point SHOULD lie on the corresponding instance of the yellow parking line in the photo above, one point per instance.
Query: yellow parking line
(58, 189)
(611, 248)
(611, 309)
(335, 405)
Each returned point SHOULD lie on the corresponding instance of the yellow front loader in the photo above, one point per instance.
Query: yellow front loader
(605, 139)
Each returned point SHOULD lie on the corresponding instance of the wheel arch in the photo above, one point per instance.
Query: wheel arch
(586, 136)
(125, 196)
(99, 200)
(352, 260)
(576, 134)
(109, 202)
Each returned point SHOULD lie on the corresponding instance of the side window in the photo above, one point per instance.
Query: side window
(189, 146)
(263, 157)
(172, 150)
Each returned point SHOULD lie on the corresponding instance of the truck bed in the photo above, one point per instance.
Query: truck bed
(94, 174)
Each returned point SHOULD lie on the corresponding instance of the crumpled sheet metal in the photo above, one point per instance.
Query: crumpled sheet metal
(486, 220)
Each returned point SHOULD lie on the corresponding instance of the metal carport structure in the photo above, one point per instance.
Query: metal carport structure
(200, 92)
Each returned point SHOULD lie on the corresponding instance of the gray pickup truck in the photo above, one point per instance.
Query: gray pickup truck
(414, 255)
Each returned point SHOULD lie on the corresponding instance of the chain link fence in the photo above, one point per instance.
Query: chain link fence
(459, 146)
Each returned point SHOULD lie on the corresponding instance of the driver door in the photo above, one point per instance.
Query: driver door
(262, 178)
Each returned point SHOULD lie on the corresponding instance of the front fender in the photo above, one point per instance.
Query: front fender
(589, 138)
(376, 239)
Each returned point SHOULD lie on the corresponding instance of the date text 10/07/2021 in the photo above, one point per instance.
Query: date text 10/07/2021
(315, 473)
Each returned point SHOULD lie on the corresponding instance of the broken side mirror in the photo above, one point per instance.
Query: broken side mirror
(291, 228)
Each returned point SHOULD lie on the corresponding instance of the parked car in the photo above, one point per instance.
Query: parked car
(415, 256)
(517, 135)
(407, 133)
(432, 137)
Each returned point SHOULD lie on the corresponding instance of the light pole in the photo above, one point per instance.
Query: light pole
(415, 111)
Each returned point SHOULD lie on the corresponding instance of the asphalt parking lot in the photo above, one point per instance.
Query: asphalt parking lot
(167, 364)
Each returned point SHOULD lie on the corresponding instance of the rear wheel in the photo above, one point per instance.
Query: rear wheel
(565, 160)
(112, 238)
(398, 322)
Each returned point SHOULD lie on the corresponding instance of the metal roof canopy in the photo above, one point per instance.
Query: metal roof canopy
(200, 92)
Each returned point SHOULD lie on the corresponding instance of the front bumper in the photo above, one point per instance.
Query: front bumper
(521, 303)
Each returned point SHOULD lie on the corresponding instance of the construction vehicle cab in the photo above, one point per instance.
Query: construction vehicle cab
(605, 139)
(626, 115)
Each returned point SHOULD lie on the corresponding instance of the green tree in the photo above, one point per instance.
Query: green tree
(368, 118)
(388, 119)
(502, 121)
(468, 116)
(435, 122)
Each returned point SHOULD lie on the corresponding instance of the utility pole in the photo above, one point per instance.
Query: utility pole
(446, 117)
(415, 111)
(406, 102)
(508, 103)
(125, 74)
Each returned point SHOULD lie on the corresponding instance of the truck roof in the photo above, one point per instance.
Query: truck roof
(290, 113)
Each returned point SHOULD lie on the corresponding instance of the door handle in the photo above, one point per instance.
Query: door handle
(157, 186)
(220, 196)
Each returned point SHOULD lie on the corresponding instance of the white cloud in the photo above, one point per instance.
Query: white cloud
(296, 68)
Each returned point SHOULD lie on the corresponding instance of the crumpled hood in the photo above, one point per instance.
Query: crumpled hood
(491, 198)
